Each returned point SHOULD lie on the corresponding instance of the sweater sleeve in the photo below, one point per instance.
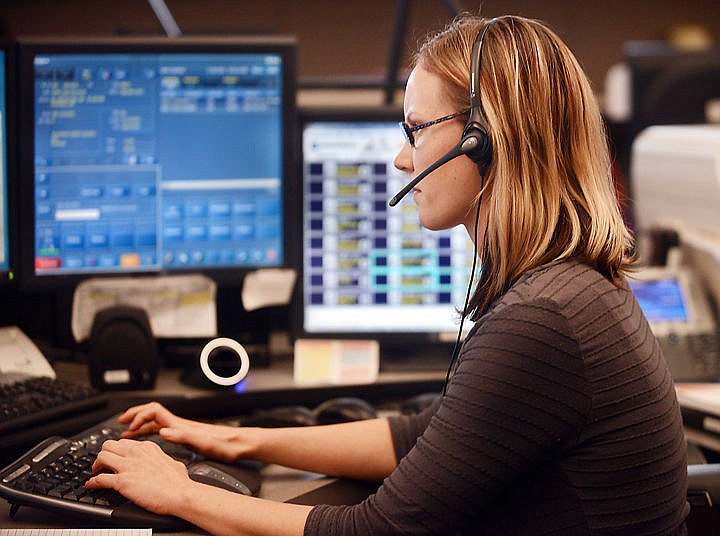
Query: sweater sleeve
(406, 429)
(518, 397)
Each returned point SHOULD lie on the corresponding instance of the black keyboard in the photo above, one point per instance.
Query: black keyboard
(36, 400)
(52, 476)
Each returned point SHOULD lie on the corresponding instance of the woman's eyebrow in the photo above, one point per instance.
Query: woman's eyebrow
(411, 116)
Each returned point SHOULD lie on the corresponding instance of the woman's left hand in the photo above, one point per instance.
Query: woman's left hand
(142, 473)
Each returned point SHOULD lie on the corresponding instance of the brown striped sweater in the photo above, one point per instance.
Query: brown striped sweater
(561, 418)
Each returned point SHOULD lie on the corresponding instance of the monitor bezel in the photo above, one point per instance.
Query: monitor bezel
(399, 350)
(28, 48)
(8, 276)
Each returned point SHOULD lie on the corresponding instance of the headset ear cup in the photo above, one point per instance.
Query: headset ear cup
(480, 151)
(485, 157)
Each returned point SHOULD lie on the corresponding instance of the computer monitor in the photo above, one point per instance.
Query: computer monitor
(670, 86)
(6, 155)
(661, 300)
(369, 270)
(675, 176)
(156, 155)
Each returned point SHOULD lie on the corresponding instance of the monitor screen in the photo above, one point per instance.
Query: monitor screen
(661, 300)
(370, 270)
(4, 204)
(158, 155)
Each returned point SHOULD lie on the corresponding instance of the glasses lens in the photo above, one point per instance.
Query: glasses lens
(407, 132)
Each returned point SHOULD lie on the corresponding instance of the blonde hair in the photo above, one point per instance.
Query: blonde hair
(551, 192)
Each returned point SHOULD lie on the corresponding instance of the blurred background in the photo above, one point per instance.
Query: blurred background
(353, 39)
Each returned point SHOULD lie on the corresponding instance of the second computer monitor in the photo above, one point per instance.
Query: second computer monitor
(6, 133)
(370, 270)
(157, 155)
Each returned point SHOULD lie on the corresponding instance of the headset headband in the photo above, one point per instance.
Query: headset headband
(477, 115)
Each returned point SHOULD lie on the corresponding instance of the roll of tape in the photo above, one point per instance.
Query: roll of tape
(229, 344)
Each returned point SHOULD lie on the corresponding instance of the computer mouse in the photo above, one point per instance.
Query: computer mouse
(418, 403)
(343, 409)
(281, 417)
(206, 473)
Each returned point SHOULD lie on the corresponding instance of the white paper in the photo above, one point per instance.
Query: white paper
(177, 306)
(318, 361)
(20, 357)
(268, 286)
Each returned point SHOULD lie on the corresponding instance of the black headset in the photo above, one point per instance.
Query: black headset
(475, 138)
(475, 141)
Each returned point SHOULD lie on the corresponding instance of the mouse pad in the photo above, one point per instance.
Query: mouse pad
(337, 493)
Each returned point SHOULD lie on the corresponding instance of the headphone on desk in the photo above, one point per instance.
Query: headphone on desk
(475, 140)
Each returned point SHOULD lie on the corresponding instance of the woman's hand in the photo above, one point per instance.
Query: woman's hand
(223, 443)
(142, 473)
(149, 419)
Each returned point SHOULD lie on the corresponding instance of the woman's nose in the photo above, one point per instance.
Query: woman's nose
(403, 160)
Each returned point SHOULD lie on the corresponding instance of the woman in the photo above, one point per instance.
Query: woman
(560, 416)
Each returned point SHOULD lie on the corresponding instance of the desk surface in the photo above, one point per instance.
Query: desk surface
(279, 376)
(700, 406)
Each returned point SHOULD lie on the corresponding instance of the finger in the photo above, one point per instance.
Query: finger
(109, 445)
(143, 448)
(102, 480)
(131, 412)
(121, 446)
(184, 437)
(180, 435)
(107, 460)
(144, 417)
(144, 429)
(147, 412)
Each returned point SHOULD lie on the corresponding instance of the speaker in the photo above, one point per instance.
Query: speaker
(122, 352)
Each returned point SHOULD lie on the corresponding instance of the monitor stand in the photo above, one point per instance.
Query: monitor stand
(415, 357)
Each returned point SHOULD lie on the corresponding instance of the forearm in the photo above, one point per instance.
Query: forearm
(361, 449)
(221, 512)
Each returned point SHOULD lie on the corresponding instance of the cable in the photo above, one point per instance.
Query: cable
(456, 348)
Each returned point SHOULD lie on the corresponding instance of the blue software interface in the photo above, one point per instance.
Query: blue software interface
(4, 253)
(157, 161)
(369, 268)
(661, 300)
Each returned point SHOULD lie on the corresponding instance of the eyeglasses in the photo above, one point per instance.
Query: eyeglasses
(408, 130)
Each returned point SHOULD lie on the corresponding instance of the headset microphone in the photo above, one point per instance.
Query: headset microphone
(466, 145)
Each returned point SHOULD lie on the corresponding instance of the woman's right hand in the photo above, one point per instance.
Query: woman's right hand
(222, 443)
(149, 419)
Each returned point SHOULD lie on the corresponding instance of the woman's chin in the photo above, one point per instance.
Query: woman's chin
(431, 224)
